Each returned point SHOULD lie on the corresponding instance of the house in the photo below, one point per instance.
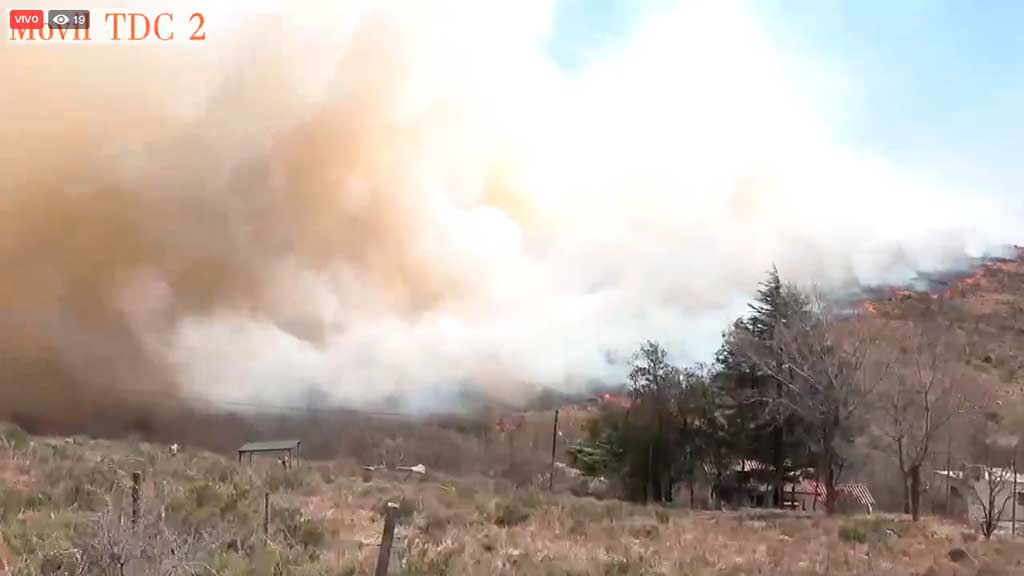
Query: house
(978, 492)
(749, 484)
(738, 484)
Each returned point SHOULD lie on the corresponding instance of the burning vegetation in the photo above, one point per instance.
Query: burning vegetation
(935, 289)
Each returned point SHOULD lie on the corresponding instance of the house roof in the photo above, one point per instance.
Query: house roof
(854, 491)
(858, 492)
(1000, 474)
(271, 446)
(739, 466)
(806, 486)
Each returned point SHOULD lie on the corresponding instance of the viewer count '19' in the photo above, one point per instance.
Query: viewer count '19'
(79, 26)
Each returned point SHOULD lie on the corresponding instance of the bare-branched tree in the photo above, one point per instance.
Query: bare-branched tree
(921, 395)
(990, 489)
(119, 548)
(990, 486)
(821, 366)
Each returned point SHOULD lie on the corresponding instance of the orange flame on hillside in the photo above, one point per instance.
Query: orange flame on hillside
(960, 287)
(973, 279)
(955, 289)
(615, 400)
(901, 294)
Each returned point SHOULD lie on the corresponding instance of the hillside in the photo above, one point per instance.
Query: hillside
(64, 510)
(986, 308)
(483, 504)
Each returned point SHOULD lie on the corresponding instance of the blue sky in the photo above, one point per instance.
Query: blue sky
(939, 83)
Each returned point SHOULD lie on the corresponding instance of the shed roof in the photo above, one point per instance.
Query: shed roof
(738, 466)
(998, 475)
(271, 446)
(856, 491)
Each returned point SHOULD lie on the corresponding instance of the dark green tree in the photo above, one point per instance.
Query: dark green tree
(703, 428)
(602, 452)
(653, 447)
(769, 307)
(825, 382)
(756, 414)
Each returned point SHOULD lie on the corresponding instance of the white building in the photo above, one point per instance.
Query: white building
(987, 492)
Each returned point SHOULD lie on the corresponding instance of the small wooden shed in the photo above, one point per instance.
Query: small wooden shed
(289, 447)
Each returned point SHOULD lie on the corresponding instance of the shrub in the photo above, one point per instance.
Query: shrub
(81, 492)
(662, 516)
(206, 495)
(434, 561)
(437, 522)
(295, 479)
(509, 514)
(308, 533)
(12, 502)
(614, 510)
(12, 435)
(644, 531)
(852, 533)
(616, 566)
(875, 530)
(586, 510)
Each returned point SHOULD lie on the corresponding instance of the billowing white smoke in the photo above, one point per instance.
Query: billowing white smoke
(405, 199)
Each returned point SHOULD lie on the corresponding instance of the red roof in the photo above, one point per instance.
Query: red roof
(854, 491)
(858, 492)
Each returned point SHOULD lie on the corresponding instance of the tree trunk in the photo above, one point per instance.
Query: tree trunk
(649, 492)
(780, 453)
(779, 465)
(905, 476)
(915, 492)
(830, 495)
(830, 485)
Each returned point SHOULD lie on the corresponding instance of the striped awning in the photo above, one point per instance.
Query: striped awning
(739, 466)
(854, 491)
(857, 492)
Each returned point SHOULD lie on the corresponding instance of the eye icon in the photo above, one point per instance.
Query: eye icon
(61, 19)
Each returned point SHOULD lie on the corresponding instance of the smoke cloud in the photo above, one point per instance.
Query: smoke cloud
(406, 200)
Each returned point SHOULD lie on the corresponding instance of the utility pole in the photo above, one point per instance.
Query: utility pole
(949, 457)
(1013, 511)
(554, 444)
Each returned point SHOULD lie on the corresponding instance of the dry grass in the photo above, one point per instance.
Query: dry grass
(62, 505)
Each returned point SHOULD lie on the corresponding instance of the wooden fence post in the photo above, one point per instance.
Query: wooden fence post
(136, 497)
(266, 516)
(554, 444)
(386, 539)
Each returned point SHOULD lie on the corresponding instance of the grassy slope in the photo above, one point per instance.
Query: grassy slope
(62, 501)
